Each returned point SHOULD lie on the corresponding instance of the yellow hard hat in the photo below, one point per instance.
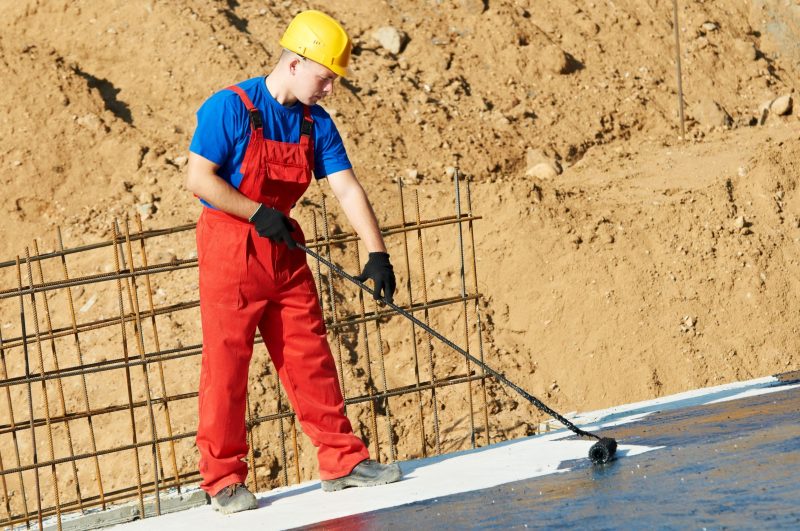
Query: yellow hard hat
(318, 37)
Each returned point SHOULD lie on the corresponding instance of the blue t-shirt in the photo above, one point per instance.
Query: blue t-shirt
(223, 131)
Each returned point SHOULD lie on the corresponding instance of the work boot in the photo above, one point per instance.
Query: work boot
(366, 474)
(234, 498)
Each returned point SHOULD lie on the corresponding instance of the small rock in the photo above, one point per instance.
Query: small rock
(536, 193)
(390, 38)
(745, 49)
(412, 176)
(553, 59)
(763, 111)
(146, 197)
(711, 114)
(534, 156)
(710, 26)
(181, 160)
(85, 308)
(740, 222)
(543, 170)
(145, 210)
(450, 171)
(166, 257)
(16, 163)
(90, 121)
(473, 7)
(781, 106)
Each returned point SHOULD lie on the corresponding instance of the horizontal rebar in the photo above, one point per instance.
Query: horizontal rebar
(111, 364)
(134, 237)
(116, 495)
(413, 388)
(103, 366)
(10, 428)
(100, 277)
(382, 314)
(102, 323)
(192, 262)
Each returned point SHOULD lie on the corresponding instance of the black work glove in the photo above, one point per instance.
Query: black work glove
(273, 224)
(380, 270)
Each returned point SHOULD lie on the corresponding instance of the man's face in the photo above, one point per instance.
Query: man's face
(312, 81)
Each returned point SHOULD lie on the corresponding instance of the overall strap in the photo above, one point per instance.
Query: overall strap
(307, 125)
(306, 131)
(255, 115)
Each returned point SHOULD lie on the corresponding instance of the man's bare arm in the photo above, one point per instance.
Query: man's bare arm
(357, 208)
(203, 181)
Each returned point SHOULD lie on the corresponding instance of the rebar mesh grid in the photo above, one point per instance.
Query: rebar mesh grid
(99, 370)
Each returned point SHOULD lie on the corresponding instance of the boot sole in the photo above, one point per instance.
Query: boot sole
(334, 485)
(230, 510)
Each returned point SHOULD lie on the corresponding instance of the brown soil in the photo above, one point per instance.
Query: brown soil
(648, 266)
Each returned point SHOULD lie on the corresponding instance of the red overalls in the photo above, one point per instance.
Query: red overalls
(247, 281)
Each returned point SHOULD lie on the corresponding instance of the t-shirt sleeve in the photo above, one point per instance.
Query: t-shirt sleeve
(330, 155)
(219, 123)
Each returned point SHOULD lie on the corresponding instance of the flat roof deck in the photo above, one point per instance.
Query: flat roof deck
(727, 456)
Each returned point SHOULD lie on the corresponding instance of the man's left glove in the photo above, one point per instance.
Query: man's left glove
(273, 224)
(380, 270)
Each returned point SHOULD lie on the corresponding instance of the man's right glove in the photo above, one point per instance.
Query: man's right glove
(273, 224)
(380, 270)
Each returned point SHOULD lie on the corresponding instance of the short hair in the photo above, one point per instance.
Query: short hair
(288, 55)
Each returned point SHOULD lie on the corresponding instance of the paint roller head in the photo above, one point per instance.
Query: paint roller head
(603, 451)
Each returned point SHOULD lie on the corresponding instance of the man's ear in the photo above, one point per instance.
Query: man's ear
(293, 64)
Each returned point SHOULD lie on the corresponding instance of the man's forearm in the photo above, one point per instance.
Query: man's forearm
(207, 185)
(359, 212)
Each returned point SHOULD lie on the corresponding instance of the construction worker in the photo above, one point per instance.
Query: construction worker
(251, 159)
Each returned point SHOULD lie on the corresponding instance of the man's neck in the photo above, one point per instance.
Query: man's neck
(277, 88)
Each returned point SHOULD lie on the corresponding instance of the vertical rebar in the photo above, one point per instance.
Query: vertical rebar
(678, 64)
(319, 265)
(160, 364)
(251, 454)
(381, 365)
(45, 398)
(6, 500)
(30, 397)
(370, 382)
(56, 366)
(133, 298)
(331, 295)
(282, 433)
(464, 297)
(14, 439)
(123, 331)
(421, 413)
(101, 491)
(427, 323)
(296, 451)
(478, 311)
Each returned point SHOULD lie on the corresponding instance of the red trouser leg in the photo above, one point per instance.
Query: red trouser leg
(228, 329)
(294, 333)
